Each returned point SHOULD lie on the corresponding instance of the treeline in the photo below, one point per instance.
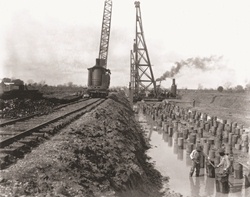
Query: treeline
(50, 89)
(42, 83)
(42, 86)
(238, 88)
(227, 87)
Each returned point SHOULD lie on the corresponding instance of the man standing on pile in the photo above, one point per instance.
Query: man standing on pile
(196, 156)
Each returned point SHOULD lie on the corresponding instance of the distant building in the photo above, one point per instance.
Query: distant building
(13, 85)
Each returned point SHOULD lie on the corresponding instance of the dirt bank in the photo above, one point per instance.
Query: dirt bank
(102, 153)
(229, 105)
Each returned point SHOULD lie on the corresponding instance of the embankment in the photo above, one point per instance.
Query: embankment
(101, 154)
(228, 105)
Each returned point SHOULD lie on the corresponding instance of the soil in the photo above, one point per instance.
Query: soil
(228, 106)
(101, 154)
(18, 108)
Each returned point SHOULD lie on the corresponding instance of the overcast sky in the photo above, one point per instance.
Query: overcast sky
(57, 40)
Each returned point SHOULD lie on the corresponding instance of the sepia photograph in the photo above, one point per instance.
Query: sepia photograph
(124, 98)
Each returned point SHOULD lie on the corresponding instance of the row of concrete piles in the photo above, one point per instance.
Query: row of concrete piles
(192, 128)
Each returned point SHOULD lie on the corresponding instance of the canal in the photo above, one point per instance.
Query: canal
(175, 163)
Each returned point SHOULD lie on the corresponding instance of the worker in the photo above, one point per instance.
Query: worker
(225, 163)
(196, 156)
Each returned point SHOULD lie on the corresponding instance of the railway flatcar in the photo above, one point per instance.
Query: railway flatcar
(98, 80)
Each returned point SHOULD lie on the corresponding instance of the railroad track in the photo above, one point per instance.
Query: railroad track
(19, 138)
(10, 122)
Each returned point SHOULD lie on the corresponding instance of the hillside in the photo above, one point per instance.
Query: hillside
(233, 106)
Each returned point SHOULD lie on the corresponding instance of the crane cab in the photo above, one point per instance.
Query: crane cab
(98, 80)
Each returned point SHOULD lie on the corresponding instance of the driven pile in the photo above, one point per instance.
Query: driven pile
(191, 129)
(102, 153)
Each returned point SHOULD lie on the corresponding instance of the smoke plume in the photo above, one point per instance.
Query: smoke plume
(204, 64)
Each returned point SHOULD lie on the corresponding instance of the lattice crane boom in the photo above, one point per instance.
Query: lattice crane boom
(105, 33)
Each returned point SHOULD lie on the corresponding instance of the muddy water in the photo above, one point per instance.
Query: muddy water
(175, 163)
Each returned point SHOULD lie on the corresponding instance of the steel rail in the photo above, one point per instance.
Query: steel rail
(28, 132)
(36, 114)
(18, 120)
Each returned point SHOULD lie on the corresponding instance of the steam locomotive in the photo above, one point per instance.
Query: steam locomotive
(98, 80)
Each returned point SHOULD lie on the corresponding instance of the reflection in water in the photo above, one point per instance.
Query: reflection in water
(218, 194)
(150, 133)
(184, 145)
(170, 141)
(202, 179)
(180, 154)
(165, 137)
(247, 192)
(209, 186)
(188, 160)
(175, 148)
(175, 163)
(195, 186)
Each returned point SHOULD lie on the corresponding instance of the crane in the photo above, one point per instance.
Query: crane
(105, 33)
(99, 75)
